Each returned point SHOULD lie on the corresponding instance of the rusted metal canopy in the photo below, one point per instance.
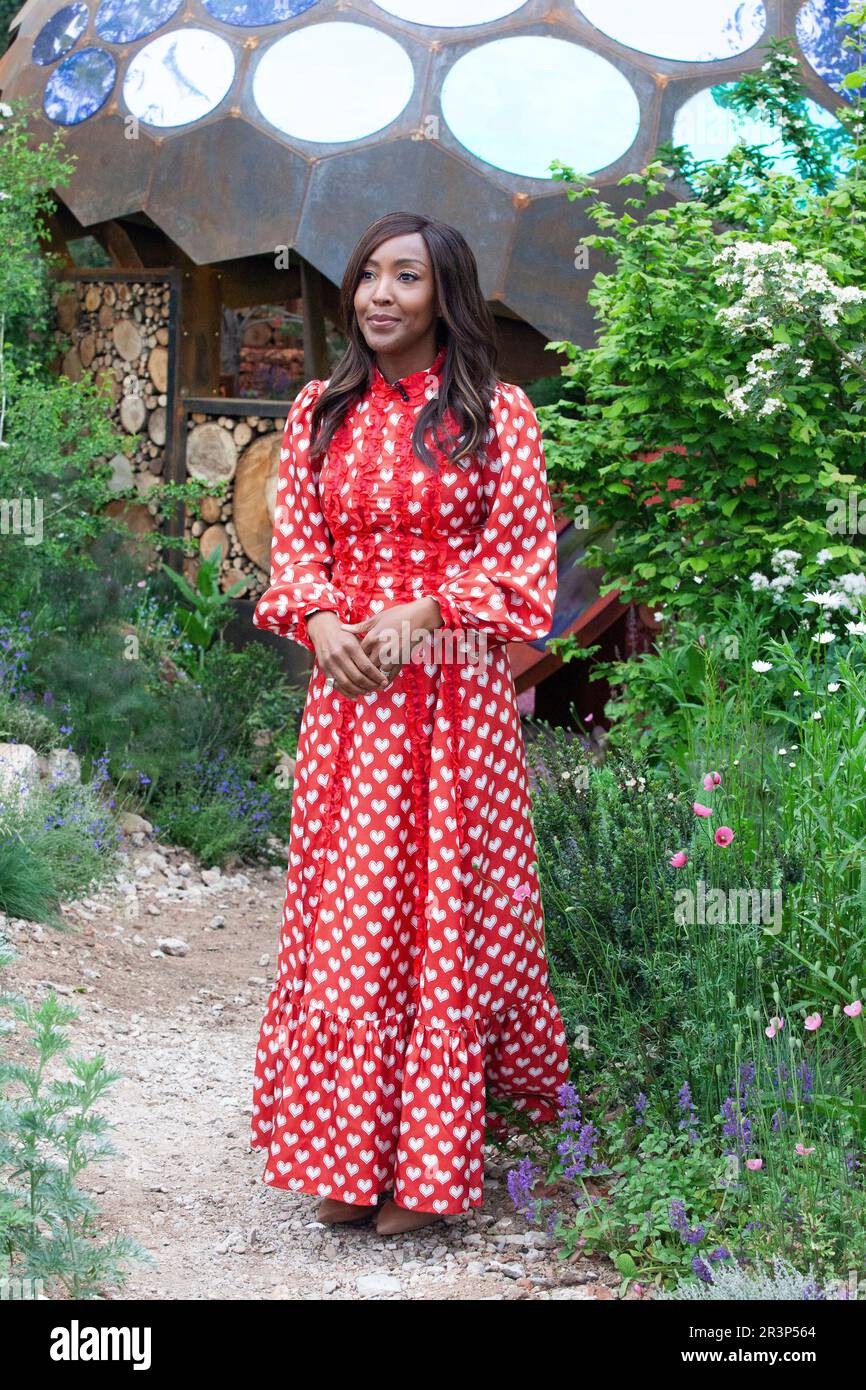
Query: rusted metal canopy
(239, 137)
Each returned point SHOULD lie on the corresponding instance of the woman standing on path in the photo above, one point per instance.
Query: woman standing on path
(413, 519)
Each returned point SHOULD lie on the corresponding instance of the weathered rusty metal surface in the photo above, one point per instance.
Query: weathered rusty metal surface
(231, 185)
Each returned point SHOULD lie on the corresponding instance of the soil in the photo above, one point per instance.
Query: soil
(181, 1030)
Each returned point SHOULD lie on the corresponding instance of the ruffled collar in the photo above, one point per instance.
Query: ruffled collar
(415, 386)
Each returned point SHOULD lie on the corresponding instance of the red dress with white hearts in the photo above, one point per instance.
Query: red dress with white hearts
(411, 982)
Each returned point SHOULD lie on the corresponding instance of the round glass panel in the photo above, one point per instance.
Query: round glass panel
(696, 31)
(251, 12)
(821, 41)
(711, 129)
(124, 21)
(62, 31)
(520, 103)
(179, 77)
(333, 82)
(450, 14)
(79, 86)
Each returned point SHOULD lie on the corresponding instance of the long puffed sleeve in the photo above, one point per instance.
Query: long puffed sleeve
(301, 555)
(508, 587)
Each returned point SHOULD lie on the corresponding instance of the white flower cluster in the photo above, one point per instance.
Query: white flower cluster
(774, 285)
(784, 562)
(847, 594)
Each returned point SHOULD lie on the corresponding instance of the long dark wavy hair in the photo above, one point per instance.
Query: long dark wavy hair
(464, 327)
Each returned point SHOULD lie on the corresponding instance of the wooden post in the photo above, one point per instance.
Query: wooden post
(315, 343)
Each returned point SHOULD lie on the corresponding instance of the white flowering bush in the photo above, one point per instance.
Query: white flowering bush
(835, 608)
(720, 418)
(780, 292)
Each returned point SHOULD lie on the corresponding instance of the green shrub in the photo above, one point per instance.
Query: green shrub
(49, 1133)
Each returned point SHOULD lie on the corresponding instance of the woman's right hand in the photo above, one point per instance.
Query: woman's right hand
(341, 656)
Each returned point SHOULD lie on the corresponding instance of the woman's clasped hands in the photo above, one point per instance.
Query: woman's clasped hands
(359, 657)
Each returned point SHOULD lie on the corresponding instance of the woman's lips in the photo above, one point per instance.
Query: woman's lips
(382, 322)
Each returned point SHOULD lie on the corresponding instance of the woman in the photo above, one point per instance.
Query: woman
(413, 538)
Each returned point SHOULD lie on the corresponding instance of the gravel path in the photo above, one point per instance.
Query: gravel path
(182, 1029)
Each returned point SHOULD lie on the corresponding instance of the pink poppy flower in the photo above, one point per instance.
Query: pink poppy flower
(723, 836)
(802, 1150)
(700, 810)
(853, 1010)
(770, 1031)
(521, 891)
(778, 1023)
(813, 1022)
(712, 779)
(679, 859)
(754, 1164)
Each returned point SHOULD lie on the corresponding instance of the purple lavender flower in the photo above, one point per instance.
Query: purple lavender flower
(521, 1181)
(690, 1115)
(680, 1223)
(806, 1080)
(813, 1292)
(578, 1139)
(702, 1270)
(639, 1108)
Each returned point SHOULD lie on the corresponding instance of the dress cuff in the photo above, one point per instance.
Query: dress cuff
(450, 616)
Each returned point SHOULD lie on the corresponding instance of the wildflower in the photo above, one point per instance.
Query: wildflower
(823, 556)
(702, 1270)
(639, 1108)
(833, 687)
(711, 780)
(578, 1138)
(853, 1010)
(720, 1253)
(802, 1150)
(817, 715)
(700, 810)
(723, 836)
(521, 891)
(680, 1223)
(754, 1165)
(690, 1115)
(782, 752)
(813, 1022)
(762, 666)
(824, 638)
(776, 1026)
(521, 1180)
(679, 859)
(856, 629)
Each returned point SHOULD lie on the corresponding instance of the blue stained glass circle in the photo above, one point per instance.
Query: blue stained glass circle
(252, 12)
(62, 31)
(179, 77)
(370, 74)
(520, 103)
(710, 128)
(821, 41)
(683, 30)
(124, 21)
(81, 84)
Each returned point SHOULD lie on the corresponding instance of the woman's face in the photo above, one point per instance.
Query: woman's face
(395, 300)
